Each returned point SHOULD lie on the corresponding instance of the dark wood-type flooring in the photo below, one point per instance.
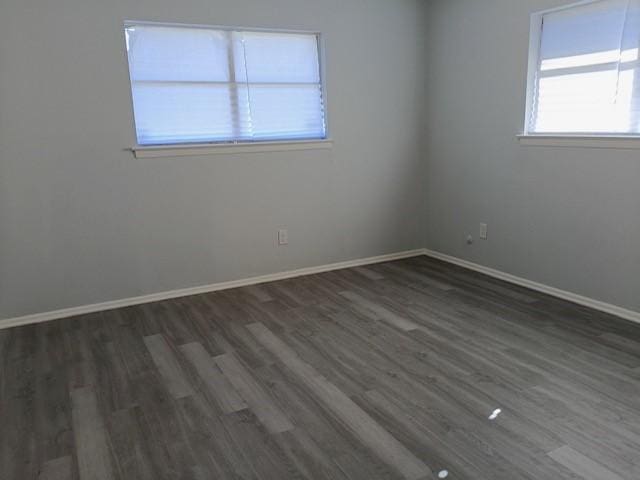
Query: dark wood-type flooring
(389, 371)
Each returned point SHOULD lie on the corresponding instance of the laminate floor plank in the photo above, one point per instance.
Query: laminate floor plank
(260, 450)
(57, 469)
(444, 442)
(52, 412)
(324, 429)
(166, 437)
(384, 372)
(129, 446)
(369, 273)
(411, 275)
(583, 466)
(259, 293)
(168, 366)
(381, 312)
(217, 384)
(215, 451)
(92, 444)
(254, 395)
(17, 405)
(361, 425)
(309, 459)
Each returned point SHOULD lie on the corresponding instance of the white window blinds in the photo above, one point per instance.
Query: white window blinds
(587, 76)
(200, 85)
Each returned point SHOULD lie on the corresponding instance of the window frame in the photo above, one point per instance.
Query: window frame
(233, 146)
(586, 140)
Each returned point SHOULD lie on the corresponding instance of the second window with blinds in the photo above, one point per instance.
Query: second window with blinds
(208, 85)
(584, 76)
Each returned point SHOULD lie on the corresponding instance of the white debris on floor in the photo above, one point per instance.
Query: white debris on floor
(495, 414)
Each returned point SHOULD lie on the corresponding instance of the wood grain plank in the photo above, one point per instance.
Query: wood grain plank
(369, 273)
(307, 456)
(219, 387)
(57, 469)
(354, 418)
(381, 312)
(582, 465)
(259, 451)
(259, 402)
(94, 457)
(258, 293)
(130, 447)
(168, 366)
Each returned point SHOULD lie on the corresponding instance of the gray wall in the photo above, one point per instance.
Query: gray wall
(566, 217)
(82, 221)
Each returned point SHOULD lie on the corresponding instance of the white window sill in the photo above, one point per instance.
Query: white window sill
(229, 148)
(581, 141)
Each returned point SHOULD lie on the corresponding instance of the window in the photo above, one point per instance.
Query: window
(584, 76)
(206, 85)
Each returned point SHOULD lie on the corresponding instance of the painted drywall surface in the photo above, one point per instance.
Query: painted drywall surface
(566, 217)
(82, 221)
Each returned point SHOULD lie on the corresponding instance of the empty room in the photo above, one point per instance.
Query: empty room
(320, 240)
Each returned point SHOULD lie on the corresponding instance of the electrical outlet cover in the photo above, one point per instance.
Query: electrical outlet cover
(484, 228)
(283, 237)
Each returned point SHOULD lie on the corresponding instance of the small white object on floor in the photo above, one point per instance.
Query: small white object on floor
(443, 474)
(495, 414)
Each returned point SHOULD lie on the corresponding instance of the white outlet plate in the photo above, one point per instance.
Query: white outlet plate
(484, 230)
(283, 237)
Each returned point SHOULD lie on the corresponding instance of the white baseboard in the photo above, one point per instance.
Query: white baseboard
(155, 297)
(540, 287)
(185, 292)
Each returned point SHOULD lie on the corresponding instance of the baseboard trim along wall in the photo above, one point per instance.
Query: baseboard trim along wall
(540, 287)
(185, 292)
